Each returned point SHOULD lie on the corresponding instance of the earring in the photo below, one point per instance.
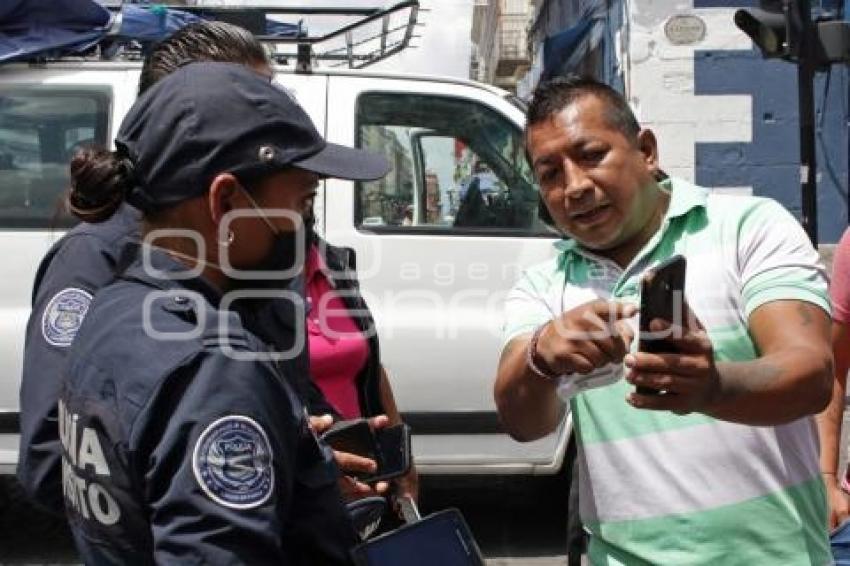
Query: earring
(230, 237)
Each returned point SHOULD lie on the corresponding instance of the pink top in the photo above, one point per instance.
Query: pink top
(338, 349)
(840, 289)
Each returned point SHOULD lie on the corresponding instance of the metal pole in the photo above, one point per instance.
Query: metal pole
(806, 104)
(808, 160)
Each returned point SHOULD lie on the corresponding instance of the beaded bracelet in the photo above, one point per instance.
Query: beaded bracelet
(531, 352)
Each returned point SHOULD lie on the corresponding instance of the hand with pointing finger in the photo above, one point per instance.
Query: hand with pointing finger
(586, 338)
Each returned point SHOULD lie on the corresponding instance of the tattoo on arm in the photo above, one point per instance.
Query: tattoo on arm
(805, 315)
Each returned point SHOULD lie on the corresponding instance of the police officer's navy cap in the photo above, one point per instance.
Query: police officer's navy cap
(210, 118)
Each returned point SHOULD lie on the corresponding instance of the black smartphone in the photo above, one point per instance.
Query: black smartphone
(442, 538)
(662, 295)
(352, 436)
(389, 447)
(393, 449)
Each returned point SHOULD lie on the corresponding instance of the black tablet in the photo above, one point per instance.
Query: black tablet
(442, 538)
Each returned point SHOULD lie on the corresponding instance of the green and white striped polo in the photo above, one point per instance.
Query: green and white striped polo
(667, 489)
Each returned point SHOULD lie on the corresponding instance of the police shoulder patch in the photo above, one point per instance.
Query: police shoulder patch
(232, 463)
(63, 316)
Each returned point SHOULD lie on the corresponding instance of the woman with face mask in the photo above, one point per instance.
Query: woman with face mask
(181, 439)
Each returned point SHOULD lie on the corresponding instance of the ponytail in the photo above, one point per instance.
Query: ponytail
(99, 181)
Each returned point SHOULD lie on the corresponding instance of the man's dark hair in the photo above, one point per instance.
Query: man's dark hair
(553, 95)
(202, 41)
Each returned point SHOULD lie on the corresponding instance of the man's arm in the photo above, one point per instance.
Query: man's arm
(793, 376)
(790, 379)
(829, 425)
(581, 340)
(527, 404)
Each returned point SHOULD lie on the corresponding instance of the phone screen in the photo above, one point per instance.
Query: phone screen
(393, 447)
(354, 437)
(662, 296)
(442, 538)
(388, 447)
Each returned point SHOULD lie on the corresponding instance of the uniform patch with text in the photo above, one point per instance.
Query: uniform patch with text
(232, 463)
(63, 316)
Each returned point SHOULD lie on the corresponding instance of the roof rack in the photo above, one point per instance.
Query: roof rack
(396, 22)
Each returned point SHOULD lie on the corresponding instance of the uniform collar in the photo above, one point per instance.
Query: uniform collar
(684, 197)
(164, 272)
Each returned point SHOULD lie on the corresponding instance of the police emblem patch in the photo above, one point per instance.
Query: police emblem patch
(63, 316)
(232, 463)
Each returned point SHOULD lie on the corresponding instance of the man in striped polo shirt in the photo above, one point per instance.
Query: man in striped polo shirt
(723, 468)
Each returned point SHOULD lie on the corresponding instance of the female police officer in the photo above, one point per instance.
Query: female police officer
(180, 439)
(84, 260)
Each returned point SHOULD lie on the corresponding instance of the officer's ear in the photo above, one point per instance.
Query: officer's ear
(224, 190)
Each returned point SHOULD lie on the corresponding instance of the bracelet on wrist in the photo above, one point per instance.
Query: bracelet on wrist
(537, 366)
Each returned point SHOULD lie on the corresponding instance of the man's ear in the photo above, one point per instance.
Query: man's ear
(648, 146)
(224, 189)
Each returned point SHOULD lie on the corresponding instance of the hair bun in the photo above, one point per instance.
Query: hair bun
(99, 180)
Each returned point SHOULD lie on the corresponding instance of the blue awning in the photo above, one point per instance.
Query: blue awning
(152, 24)
(29, 27)
(564, 51)
(52, 28)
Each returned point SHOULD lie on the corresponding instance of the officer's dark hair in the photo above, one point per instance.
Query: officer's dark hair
(99, 177)
(555, 94)
(202, 41)
(552, 96)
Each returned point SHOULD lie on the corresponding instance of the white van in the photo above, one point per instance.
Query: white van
(439, 241)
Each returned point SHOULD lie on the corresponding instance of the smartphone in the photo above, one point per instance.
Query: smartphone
(442, 538)
(389, 447)
(662, 295)
(393, 450)
(352, 436)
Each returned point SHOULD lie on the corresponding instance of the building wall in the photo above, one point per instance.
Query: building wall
(728, 119)
(486, 38)
(514, 57)
(725, 117)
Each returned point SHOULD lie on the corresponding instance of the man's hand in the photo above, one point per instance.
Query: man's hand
(688, 378)
(348, 463)
(586, 338)
(838, 501)
(582, 339)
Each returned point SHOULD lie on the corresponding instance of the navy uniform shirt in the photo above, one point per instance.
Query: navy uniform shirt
(79, 264)
(179, 445)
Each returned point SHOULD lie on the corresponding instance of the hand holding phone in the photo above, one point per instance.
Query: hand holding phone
(389, 447)
(662, 296)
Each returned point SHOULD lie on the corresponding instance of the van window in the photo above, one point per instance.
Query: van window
(458, 167)
(40, 128)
